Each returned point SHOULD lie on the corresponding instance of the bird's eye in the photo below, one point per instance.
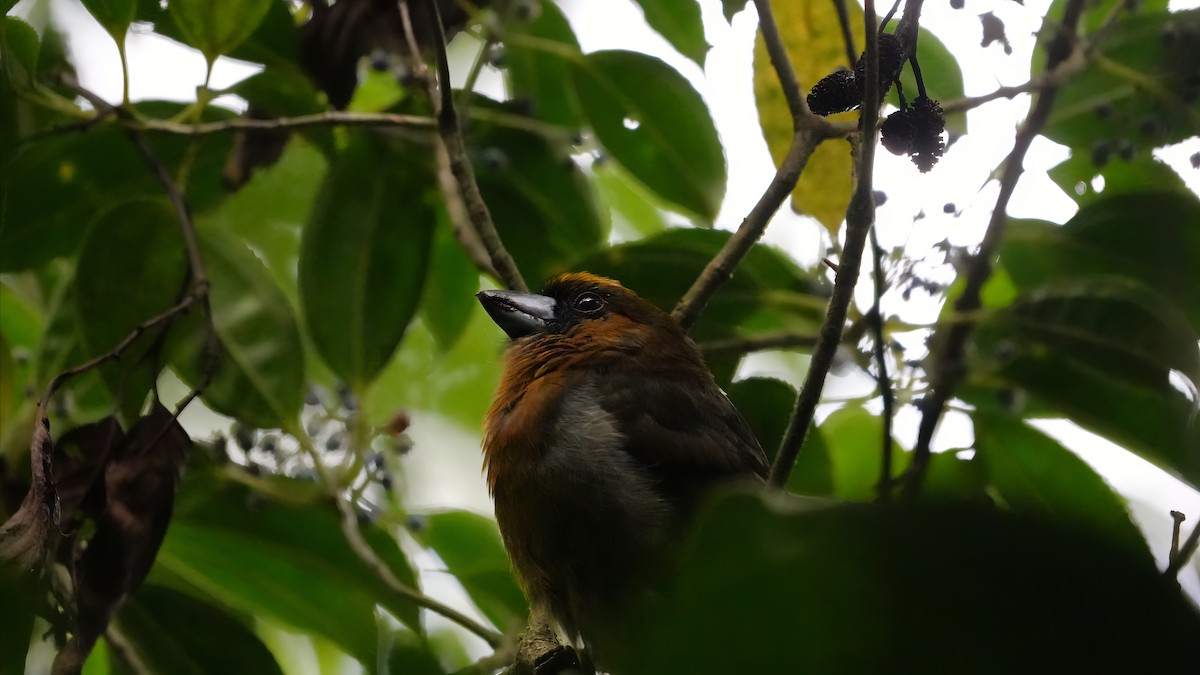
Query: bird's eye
(589, 303)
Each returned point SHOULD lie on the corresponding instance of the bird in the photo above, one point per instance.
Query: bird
(606, 433)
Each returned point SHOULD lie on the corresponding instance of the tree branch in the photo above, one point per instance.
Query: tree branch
(881, 375)
(809, 131)
(739, 346)
(450, 134)
(1184, 554)
(847, 34)
(948, 352)
(860, 214)
(1056, 77)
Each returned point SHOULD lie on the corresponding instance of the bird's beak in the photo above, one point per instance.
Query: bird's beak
(518, 314)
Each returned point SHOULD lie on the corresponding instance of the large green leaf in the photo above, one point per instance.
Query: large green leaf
(131, 267)
(216, 28)
(85, 174)
(542, 75)
(1115, 323)
(1034, 475)
(275, 42)
(656, 125)
(679, 22)
(449, 297)
(114, 15)
(286, 562)
(1139, 90)
(259, 367)
(170, 632)
(541, 201)
(857, 589)
(1077, 175)
(364, 256)
(19, 46)
(470, 546)
(1149, 236)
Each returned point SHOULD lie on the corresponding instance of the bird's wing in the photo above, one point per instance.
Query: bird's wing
(684, 422)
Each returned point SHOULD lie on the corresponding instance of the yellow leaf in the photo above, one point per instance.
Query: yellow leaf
(813, 40)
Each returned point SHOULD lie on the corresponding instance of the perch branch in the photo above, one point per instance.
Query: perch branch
(860, 214)
(881, 375)
(738, 346)
(949, 350)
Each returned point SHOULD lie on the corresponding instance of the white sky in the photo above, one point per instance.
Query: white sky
(162, 69)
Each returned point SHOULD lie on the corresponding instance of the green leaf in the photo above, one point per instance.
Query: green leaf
(275, 42)
(449, 297)
(627, 200)
(285, 562)
(679, 22)
(540, 74)
(170, 632)
(409, 654)
(813, 40)
(86, 174)
(113, 297)
(541, 201)
(1137, 90)
(20, 319)
(114, 15)
(363, 258)
(656, 125)
(269, 212)
(470, 546)
(855, 439)
(942, 75)
(1149, 236)
(8, 380)
(217, 28)
(259, 375)
(1115, 323)
(1037, 476)
(767, 404)
(20, 600)
(732, 7)
(1143, 174)
(933, 589)
(768, 294)
(19, 46)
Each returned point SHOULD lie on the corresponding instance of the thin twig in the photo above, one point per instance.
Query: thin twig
(809, 131)
(847, 34)
(362, 548)
(1178, 518)
(949, 349)
(1184, 555)
(736, 346)
(1056, 77)
(860, 214)
(881, 374)
(450, 133)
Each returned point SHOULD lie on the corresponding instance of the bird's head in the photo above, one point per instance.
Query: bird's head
(593, 311)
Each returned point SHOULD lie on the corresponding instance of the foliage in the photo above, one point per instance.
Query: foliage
(336, 301)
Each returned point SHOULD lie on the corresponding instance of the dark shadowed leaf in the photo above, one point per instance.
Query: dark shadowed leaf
(285, 561)
(863, 589)
(542, 75)
(1034, 475)
(656, 125)
(139, 495)
(470, 546)
(363, 257)
(1149, 236)
(410, 654)
(1078, 175)
(679, 22)
(217, 28)
(131, 267)
(19, 46)
(80, 458)
(114, 15)
(259, 366)
(86, 174)
(542, 203)
(1146, 79)
(20, 599)
(732, 7)
(171, 632)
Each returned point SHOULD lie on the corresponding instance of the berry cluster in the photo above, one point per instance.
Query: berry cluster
(916, 131)
(843, 90)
